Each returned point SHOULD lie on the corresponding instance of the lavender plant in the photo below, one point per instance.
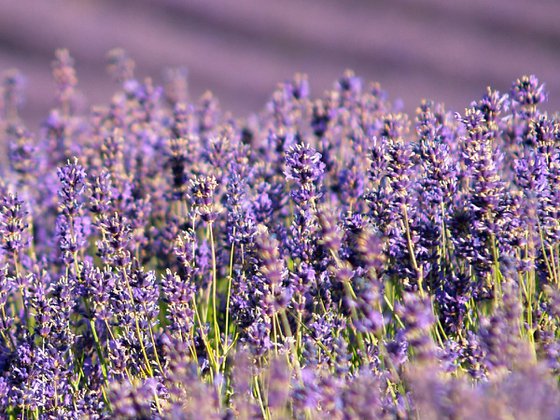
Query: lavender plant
(324, 257)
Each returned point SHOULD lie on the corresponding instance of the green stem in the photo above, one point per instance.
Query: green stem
(419, 274)
(214, 294)
(137, 324)
(229, 290)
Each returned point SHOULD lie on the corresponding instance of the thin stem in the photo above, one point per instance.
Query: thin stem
(419, 274)
(228, 298)
(137, 324)
(214, 293)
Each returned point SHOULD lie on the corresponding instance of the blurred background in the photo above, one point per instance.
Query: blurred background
(443, 50)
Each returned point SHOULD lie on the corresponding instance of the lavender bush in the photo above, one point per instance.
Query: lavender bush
(326, 257)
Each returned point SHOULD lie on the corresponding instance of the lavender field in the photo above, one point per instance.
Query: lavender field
(330, 256)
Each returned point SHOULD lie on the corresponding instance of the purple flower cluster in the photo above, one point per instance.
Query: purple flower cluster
(324, 257)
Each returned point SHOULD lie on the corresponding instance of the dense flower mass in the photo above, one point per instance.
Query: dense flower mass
(324, 258)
